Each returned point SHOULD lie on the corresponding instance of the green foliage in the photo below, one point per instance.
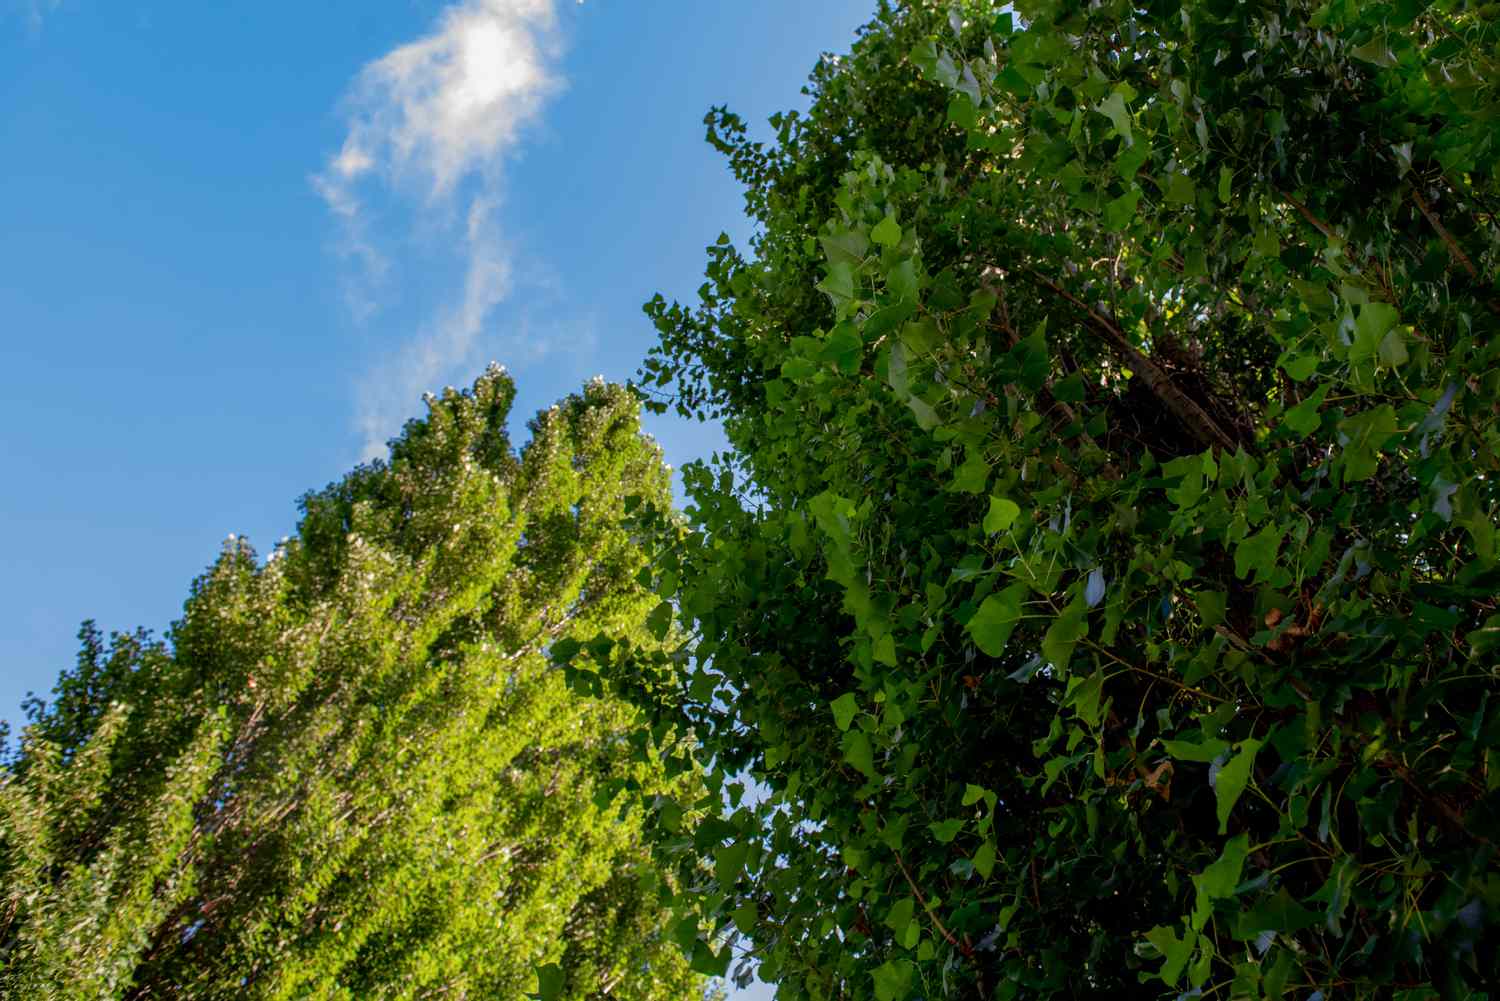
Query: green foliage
(353, 773)
(1157, 499)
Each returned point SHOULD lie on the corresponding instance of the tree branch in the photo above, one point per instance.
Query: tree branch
(1442, 231)
(916, 891)
(1183, 407)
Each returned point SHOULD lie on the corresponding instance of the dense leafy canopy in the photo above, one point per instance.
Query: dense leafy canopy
(1102, 589)
(353, 773)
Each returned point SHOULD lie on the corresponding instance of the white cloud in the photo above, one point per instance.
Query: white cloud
(433, 123)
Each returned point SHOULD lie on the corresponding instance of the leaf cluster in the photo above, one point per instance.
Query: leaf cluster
(1102, 592)
(352, 771)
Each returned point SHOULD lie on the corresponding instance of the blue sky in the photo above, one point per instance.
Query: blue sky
(240, 239)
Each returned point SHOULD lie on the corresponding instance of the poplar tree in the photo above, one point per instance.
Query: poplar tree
(350, 771)
(1103, 588)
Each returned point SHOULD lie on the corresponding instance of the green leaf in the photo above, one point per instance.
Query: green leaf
(1375, 323)
(896, 370)
(973, 475)
(845, 707)
(669, 816)
(893, 980)
(967, 84)
(1204, 751)
(729, 862)
(1201, 970)
(1471, 515)
(1084, 697)
(919, 336)
(1013, 81)
(996, 618)
(1190, 490)
(896, 375)
(1002, 514)
(1113, 107)
(984, 859)
(744, 918)
(1071, 389)
(885, 650)
(910, 936)
(1175, 951)
(859, 753)
(1130, 160)
(1219, 880)
(886, 232)
(1300, 367)
(961, 112)
(1027, 362)
(1375, 320)
(709, 963)
(1257, 553)
(564, 650)
(1119, 213)
(1365, 434)
(1305, 416)
(946, 830)
(1064, 633)
(844, 348)
(888, 318)
(1280, 913)
(946, 70)
(1181, 190)
(902, 280)
(660, 620)
(839, 283)
(1273, 985)
(1211, 606)
(550, 980)
(1232, 779)
(1226, 180)
(973, 794)
(924, 56)
(927, 418)
(1392, 351)
(900, 914)
(845, 246)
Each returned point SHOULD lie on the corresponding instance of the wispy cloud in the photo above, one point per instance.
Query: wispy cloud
(433, 123)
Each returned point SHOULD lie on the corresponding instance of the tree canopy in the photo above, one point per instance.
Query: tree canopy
(1102, 585)
(352, 772)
